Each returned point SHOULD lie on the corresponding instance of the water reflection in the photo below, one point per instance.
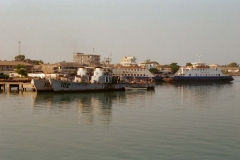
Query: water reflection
(91, 107)
(198, 95)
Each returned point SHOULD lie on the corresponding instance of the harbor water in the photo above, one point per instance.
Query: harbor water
(173, 121)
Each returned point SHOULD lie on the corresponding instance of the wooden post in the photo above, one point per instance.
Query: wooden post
(18, 88)
(21, 86)
(3, 85)
(9, 87)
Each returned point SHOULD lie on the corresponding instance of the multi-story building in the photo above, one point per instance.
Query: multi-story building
(148, 64)
(60, 67)
(9, 66)
(86, 59)
(128, 61)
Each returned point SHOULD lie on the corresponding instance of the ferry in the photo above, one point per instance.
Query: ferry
(199, 72)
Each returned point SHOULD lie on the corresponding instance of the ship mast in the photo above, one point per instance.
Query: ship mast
(199, 58)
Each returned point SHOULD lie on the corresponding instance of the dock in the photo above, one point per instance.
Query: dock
(18, 86)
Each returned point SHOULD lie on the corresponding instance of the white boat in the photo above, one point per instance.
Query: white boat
(199, 72)
(100, 81)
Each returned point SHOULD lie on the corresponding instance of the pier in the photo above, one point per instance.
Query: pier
(19, 86)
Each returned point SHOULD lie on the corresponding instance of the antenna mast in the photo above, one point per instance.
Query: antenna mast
(108, 59)
(19, 50)
(199, 58)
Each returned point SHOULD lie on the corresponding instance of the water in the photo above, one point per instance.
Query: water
(184, 121)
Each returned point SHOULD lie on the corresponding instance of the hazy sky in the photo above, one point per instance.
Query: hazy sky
(165, 31)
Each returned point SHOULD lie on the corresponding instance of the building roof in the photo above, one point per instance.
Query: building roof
(37, 67)
(13, 63)
(69, 64)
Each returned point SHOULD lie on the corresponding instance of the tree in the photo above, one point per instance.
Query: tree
(4, 76)
(188, 64)
(22, 70)
(153, 70)
(20, 57)
(174, 67)
(233, 64)
(37, 62)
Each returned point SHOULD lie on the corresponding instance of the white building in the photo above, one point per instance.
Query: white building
(128, 61)
(148, 64)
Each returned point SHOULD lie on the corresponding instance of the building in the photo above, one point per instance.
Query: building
(148, 64)
(213, 65)
(9, 66)
(128, 61)
(61, 67)
(37, 69)
(86, 59)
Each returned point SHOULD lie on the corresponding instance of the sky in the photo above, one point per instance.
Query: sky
(166, 31)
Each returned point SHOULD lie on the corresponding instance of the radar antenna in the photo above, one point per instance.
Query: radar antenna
(108, 59)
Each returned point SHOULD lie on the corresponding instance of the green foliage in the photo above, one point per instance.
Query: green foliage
(20, 57)
(233, 64)
(36, 62)
(188, 64)
(225, 72)
(153, 70)
(4, 76)
(21, 69)
(174, 67)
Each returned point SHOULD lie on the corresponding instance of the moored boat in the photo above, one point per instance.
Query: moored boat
(100, 81)
(199, 72)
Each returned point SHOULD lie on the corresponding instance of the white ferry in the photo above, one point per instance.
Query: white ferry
(200, 72)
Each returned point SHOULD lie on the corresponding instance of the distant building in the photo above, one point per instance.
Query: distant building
(128, 61)
(61, 67)
(148, 64)
(37, 69)
(9, 66)
(86, 59)
(213, 65)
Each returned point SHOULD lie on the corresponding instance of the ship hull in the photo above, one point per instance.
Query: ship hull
(66, 86)
(42, 85)
(140, 85)
(201, 79)
(158, 78)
